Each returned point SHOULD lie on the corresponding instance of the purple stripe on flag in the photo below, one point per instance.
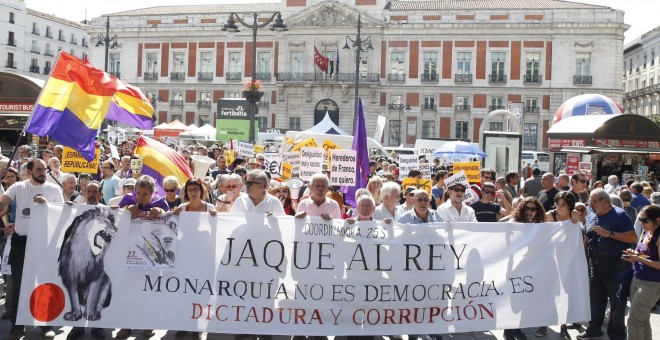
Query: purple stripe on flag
(64, 127)
(158, 178)
(362, 168)
(118, 114)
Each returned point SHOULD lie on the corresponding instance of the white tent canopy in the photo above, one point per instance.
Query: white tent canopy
(206, 132)
(327, 126)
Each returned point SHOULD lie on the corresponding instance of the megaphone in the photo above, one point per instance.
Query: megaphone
(294, 184)
(201, 164)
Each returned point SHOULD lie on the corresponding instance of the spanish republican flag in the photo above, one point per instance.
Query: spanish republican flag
(130, 106)
(160, 161)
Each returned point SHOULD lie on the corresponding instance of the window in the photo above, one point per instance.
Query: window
(206, 62)
(34, 62)
(497, 61)
(262, 122)
(294, 123)
(10, 39)
(35, 28)
(429, 102)
(583, 64)
(11, 17)
(496, 126)
(461, 130)
(73, 39)
(47, 66)
(397, 61)
(533, 64)
(178, 62)
(203, 120)
(645, 60)
(496, 103)
(84, 42)
(152, 62)
(115, 64)
(49, 34)
(297, 62)
(34, 47)
(531, 105)
(174, 117)
(205, 99)
(60, 35)
(463, 103)
(428, 129)
(235, 62)
(464, 59)
(395, 132)
(263, 62)
(530, 136)
(430, 66)
(652, 57)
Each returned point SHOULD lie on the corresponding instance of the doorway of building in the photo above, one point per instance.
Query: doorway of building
(329, 106)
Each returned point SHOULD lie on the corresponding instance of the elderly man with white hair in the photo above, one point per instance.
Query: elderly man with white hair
(388, 209)
(256, 199)
(318, 203)
(612, 184)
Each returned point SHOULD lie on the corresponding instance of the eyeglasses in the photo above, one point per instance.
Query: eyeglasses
(488, 192)
(249, 183)
(422, 200)
(644, 220)
(458, 189)
(528, 208)
(170, 190)
(580, 209)
(583, 181)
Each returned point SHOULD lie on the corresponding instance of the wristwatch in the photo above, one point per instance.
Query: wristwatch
(611, 234)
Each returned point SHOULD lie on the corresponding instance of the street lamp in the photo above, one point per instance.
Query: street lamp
(106, 40)
(400, 107)
(357, 43)
(278, 26)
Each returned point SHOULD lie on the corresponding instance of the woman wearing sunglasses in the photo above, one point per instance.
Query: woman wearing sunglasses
(171, 186)
(282, 193)
(645, 286)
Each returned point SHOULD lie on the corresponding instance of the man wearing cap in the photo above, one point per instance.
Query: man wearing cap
(253, 164)
(455, 210)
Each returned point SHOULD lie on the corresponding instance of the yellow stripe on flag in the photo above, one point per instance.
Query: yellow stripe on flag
(60, 95)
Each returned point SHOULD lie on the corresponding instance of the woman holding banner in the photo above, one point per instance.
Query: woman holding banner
(193, 192)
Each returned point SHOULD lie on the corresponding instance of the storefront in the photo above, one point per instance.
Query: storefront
(17, 97)
(626, 145)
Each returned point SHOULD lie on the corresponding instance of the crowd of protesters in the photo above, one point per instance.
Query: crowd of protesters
(613, 216)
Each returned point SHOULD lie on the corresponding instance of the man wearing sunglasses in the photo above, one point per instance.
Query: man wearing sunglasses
(486, 210)
(455, 209)
(578, 185)
(257, 199)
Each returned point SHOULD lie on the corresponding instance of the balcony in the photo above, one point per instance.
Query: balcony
(176, 103)
(497, 79)
(204, 75)
(116, 74)
(204, 103)
(46, 70)
(396, 77)
(10, 64)
(233, 76)
(178, 76)
(34, 68)
(495, 107)
(533, 79)
(262, 76)
(11, 42)
(35, 31)
(463, 78)
(35, 49)
(150, 76)
(462, 108)
(263, 103)
(429, 77)
(48, 53)
(581, 80)
(428, 107)
(323, 77)
(531, 109)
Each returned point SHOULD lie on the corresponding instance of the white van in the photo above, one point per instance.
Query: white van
(345, 142)
(542, 158)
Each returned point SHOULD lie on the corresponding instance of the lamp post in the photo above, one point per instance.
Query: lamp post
(277, 26)
(106, 40)
(357, 43)
(400, 107)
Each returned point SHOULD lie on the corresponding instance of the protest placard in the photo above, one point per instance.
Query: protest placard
(425, 169)
(423, 184)
(258, 149)
(246, 149)
(457, 178)
(287, 170)
(586, 168)
(73, 161)
(407, 163)
(273, 165)
(342, 167)
(308, 143)
(293, 158)
(311, 162)
(472, 170)
(229, 156)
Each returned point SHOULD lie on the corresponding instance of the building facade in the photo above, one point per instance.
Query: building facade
(641, 74)
(450, 62)
(31, 39)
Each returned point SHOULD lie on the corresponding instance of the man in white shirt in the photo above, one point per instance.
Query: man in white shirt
(256, 198)
(125, 166)
(455, 210)
(388, 209)
(318, 203)
(55, 174)
(36, 189)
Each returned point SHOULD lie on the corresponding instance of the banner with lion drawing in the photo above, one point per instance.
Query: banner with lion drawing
(281, 275)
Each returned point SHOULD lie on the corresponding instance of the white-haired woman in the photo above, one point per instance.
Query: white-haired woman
(171, 187)
(374, 186)
(234, 186)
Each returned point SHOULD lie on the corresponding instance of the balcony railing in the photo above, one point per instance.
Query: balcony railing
(533, 79)
(462, 78)
(429, 107)
(48, 53)
(35, 31)
(178, 76)
(204, 75)
(531, 109)
(150, 76)
(495, 107)
(497, 78)
(396, 77)
(46, 70)
(204, 103)
(10, 64)
(233, 76)
(35, 49)
(582, 80)
(11, 42)
(429, 77)
(34, 68)
(263, 103)
(176, 102)
(462, 108)
(323, 77)
(262, 76)
(116, 74)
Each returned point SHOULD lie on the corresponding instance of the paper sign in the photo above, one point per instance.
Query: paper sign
(572, 164)
(342, 167)
(407, 163)
(246, 149)
(457, 178)
(114, 152)
(171, 141)
(472, 170)
(292, 158)
(287, 145)
(380, 127)
(330, 145)
(424, 184)
(470, 196)
(229, 157)
(72, 161)
(425, 169)
(311, 162)
(272, 165)
(153, 245)
(309, 143)
(258, 149)
(287, 170)
(586, 168)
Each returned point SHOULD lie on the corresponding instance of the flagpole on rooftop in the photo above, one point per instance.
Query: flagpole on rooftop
(357, 44)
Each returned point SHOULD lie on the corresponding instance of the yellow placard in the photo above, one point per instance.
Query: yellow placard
(229, 157)
(308, 143)
(424, 184)
(330, 145)
(258, 148)
(472, 170)
(72, 161)
(287, 170)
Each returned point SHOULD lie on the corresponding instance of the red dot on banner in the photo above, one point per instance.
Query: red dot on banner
(47, 302)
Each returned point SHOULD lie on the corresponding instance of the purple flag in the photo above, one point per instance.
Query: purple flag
(359, 145)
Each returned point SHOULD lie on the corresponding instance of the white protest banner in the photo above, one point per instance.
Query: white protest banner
(283, 275)
(407, 163)
(311, 162)
(425, 169)
(153, 245)
(342, 167)
(293, 158)
(380, 126)
(246, 149)
(457, 178)
(273, 164)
